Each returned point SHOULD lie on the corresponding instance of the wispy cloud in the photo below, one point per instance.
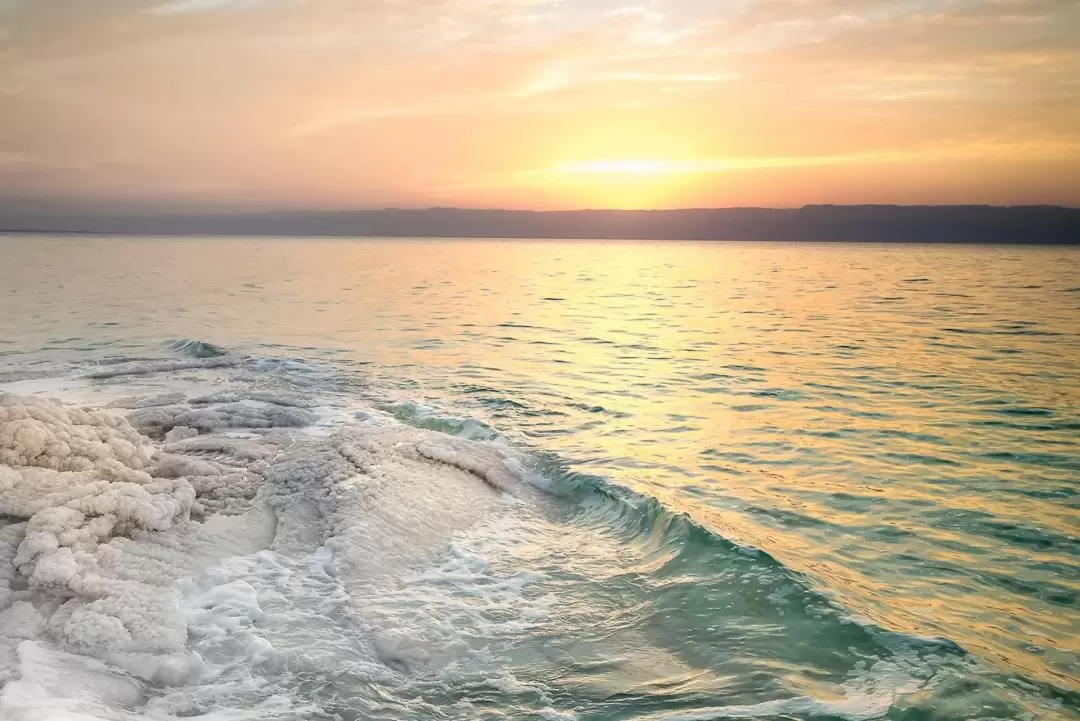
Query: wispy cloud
(178, 7)
(392, 101)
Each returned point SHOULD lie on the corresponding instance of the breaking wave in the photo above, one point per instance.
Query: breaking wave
(195, 348)
(120, 528)
(224, 537)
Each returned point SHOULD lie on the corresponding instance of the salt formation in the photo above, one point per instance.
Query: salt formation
(157, 421)
(136, 550)
(80, 481)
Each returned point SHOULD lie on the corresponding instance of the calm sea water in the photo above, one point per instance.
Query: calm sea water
(844, 473)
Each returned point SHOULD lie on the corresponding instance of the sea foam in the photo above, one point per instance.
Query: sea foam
(143, 532)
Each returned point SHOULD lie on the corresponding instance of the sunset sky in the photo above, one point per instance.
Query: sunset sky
(538, 103)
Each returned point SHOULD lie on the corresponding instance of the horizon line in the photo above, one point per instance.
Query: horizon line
(90, 210)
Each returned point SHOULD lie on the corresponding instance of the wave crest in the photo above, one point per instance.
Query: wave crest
(196, 348)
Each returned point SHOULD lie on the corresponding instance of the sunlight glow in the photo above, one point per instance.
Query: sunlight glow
(626, 183)
(634, 167)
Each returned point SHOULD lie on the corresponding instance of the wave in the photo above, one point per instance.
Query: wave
(195, 348)
(421, 416)
(709, 594)
(245, 540)
(107, 516)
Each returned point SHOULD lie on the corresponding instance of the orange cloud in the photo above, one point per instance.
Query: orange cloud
(536, 103)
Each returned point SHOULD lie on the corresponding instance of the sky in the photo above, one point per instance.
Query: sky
(537, 104)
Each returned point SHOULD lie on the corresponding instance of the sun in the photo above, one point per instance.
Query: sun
(626, 183)
(616, 167)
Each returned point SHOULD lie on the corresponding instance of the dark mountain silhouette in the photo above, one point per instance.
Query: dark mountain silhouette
(889, 223)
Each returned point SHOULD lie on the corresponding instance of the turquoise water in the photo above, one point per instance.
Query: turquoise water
(780, 481)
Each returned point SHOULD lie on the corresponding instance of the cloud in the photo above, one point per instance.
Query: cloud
(194, 6)
(345, 102)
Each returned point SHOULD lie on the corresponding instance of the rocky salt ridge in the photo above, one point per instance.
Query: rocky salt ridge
(134, 534)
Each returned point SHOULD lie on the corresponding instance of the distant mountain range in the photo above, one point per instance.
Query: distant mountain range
(887, 223)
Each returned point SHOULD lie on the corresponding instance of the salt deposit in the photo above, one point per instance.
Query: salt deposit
(141, 536)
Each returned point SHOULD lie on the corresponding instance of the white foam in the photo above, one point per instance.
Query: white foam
(143, 367)
(490, 462)
(181, 557)
(54, 685)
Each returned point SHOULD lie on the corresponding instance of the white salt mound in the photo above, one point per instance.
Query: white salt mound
(135, 574)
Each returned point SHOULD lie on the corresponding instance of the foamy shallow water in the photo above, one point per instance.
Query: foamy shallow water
(471, 479)
(187, 534)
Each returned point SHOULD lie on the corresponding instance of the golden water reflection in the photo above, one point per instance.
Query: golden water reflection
(896, 422)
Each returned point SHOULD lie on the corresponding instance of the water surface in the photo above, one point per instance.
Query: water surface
(823, 459)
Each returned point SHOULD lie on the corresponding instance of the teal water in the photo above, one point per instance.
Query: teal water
(781, 481)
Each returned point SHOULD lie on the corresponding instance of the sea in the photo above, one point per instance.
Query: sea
(247, 478)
